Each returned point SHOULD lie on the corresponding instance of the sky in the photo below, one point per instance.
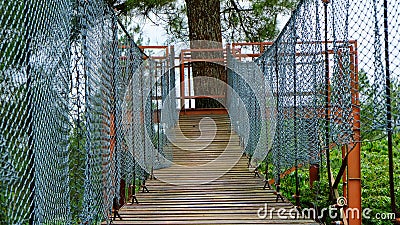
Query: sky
(156, 35)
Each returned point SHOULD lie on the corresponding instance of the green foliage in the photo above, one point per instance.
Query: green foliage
(255, 20)
(145, 6)
(13, 38)
(375, 177)
(367, 108)
(13, 125)
(76, 26)
(77, 164)
(375, 181)
(373, 108)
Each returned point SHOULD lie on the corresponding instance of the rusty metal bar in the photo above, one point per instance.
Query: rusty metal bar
(354, 159)
(389, 108)
(182, 81)
(326, 147)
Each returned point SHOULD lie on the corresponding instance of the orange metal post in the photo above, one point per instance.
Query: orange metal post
(354, 167)
(344, 177)
(189, 85)
(182, 83)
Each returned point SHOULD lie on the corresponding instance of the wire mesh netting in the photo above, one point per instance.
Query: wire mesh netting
(130, 61)
(248, 94)
(331, 71)
(294, 67)
(81, 109)
(63, 82)
(34, 111)
(145, 136)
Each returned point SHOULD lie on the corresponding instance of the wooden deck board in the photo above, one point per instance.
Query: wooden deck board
(232, 196)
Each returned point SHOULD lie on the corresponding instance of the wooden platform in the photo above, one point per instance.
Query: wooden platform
(209, 182)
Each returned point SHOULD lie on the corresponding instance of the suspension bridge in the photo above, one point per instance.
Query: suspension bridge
(97, 130)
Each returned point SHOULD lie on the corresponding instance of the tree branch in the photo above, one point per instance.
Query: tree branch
(148, 17)
(235, 6)
(236, 9)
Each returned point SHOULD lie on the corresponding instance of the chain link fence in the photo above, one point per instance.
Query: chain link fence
(250, 104)
(80, 108)
(63, 79)
(334, 66)
(294, 67)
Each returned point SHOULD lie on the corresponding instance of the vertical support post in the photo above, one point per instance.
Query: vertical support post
(354, 170)
(172, 78)
(297, 194)
(327, 105)
(113, 119)
(389, 126)
(228, 79)
(278, 180)
(142, 124)
(354, 159)
(153, 74)
(163, 81)
(134, 199)
(182, 84)
(314, 174)
(189, 84)
(315, 169)
(157, 112)
(344, 176)
(133, 187)
(266, 174)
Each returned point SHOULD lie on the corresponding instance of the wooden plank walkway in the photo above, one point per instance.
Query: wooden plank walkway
(209, 182)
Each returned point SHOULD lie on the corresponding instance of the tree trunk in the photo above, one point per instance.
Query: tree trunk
(205, 33)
